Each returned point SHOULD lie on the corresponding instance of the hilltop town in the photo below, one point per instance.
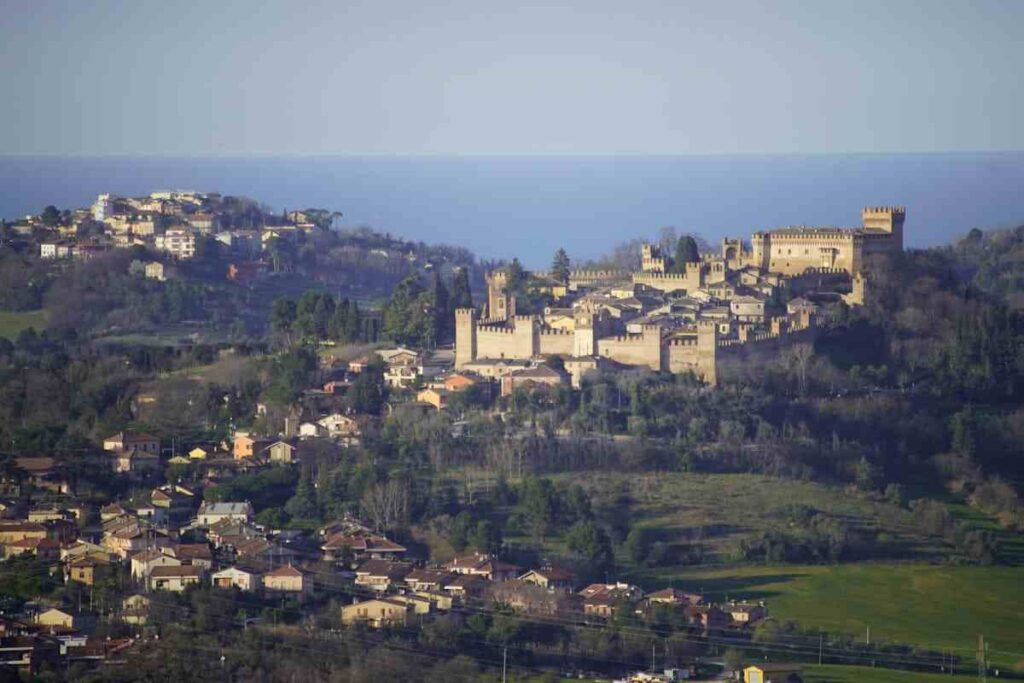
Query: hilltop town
(707, 316)
(577, 465)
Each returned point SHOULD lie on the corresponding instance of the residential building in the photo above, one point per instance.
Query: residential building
(248, 446)
(145, 561)
(438, 398)
(87, 570)
(360, 546)
(380, 575)
(288, 580)
(211, 512)
(339, 426)
(129, 441)
(135, 609)
(530, 378)
(376, 613)
(154, 270)
(175, 578)
(773, 672)
(280, 451)
(248, 580)
(485, 566)
(178, 242)
(552, 578)
(55, 617)
(427, 580)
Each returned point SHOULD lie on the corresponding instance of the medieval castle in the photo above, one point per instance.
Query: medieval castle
(705, 317)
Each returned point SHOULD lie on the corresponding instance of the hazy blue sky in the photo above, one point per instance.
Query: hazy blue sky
(483, 77)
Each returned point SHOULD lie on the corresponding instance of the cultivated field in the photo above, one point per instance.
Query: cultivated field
(12, 323)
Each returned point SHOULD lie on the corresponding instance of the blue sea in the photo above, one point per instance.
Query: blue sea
(529, 206)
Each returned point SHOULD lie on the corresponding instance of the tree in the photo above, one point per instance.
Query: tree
(444, 320)
(538, 503)
(485, 537)
(560, 266)
(801, 357)
(386, 505)
(303, 504)
(686, 252)
(50, 216)
(638, 545)
(591, 545)
(282, 317)
(461, 296)
(408, 316)
(368, 391)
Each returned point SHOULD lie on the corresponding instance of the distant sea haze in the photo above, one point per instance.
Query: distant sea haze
(500, 207)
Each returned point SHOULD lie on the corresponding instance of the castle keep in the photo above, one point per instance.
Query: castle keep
(700, 317)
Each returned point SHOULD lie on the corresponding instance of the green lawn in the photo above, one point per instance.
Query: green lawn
(859, 674)
(12, 323)
(926, 605)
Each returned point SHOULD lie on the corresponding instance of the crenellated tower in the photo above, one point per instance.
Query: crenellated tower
(887, 219)
(465, 336)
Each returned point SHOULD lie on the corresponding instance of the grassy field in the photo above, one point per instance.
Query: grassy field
(715, 511)
(858, 674)
(925, 605)
(12, 323)
(911, 600)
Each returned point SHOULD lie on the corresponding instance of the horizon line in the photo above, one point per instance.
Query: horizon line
(494, 156)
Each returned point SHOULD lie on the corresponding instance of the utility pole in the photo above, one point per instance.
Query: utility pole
(653, 667)
(982, 668)
(821, 640)
(504, 663)
(867, 636)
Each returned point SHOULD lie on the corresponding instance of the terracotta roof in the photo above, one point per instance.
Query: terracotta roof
(386, 568)
(553, 573)
(193, 551)
(132, 437)
(173, 571)
(286, 571)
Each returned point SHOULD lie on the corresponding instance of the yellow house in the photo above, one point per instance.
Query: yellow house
(198, 453)
(288, 579)
(775, 672)
(435, 397)
(55, 617)
(135, 609)
(376, 613)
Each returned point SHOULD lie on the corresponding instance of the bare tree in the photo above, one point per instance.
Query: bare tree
(801, 357)
(386, 505)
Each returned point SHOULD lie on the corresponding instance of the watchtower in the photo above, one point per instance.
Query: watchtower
(500, 306)
(707, 351)
(465, 336)
(886, 219)
(732, 251)
(651, 259)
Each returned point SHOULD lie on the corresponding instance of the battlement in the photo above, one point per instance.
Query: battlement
(555, 332)
(682, 342)
(634, 338)
(496, 329)
(678, 277)
(894, 210)
(598, 275)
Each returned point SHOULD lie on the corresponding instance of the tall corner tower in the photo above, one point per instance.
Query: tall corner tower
(886, 219)
(465, 336)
